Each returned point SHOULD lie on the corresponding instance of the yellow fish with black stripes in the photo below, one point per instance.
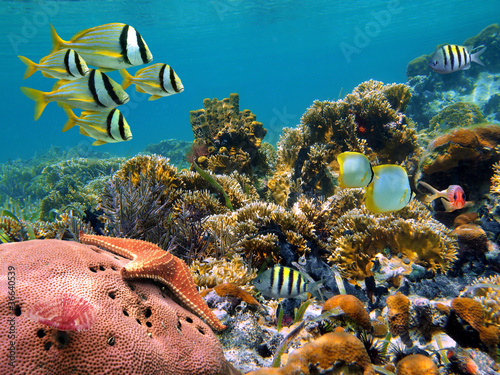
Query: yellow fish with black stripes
(110, 46)
(283, 282)
(105, 127)
(452, 58)
(64, 64)
(158, 80)
(94, 92)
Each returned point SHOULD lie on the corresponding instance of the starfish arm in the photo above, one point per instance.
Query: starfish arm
(151, 262)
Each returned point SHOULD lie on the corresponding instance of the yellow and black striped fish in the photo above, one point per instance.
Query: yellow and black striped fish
(157, 80)
(64, 64)
(111, 46)
(282, 282)
(451, 58)
(94, 92)
(105, 127)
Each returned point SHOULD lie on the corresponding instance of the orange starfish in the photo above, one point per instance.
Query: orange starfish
(150, 261)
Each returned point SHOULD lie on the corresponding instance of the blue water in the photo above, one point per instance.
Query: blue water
(278, 55)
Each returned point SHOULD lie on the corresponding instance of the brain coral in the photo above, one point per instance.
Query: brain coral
(136, 330)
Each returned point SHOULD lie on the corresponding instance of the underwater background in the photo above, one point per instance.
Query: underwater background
(278, 55)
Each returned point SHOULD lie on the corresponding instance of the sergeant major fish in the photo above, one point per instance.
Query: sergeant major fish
(158, 80)
(94, 92)
(64, 64)
(111, 46)
(283, 282)
(451, 58)
(105, 126)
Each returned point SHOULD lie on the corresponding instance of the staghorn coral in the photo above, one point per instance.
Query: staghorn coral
(231, 138)
(358, 236)
(334, 352)
(143, 329)
(370, 120)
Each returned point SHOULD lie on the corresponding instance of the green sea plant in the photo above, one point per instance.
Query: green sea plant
(214, 183)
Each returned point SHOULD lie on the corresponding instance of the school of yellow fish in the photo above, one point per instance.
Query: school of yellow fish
(107, 47)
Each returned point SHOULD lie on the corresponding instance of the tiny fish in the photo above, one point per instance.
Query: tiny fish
(94, 92)
(389, 190)
(453, 198)
(111, 46)
(64, 64)
(157, 80)
(283, 282)
(104, 127)
(355, 170)
(451, 58)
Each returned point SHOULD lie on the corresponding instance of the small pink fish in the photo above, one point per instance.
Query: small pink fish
(453, 198)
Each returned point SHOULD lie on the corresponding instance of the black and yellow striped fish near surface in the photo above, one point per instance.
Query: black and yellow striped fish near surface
(64, 64)
(94, 92)
(283, 282)
(451, 58)
(105, 127)
(110, 46)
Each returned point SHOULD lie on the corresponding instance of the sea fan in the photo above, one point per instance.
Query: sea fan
(65, 312)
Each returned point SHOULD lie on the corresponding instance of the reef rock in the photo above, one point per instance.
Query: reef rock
(136, 329)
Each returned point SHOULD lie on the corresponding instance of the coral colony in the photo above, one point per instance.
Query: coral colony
(366, 242)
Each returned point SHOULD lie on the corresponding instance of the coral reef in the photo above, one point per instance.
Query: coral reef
(335, 351)
(432, 92)
(173, 149)
(398, 313)
(417, 364)
(370, 120)
(352, 308)
(465, 157)
(484, 291)
(227, 139)
(358, 236)
(134, 320)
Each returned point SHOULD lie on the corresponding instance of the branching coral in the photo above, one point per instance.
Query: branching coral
(231, 138)
(212, 272)
(486, 290)
(260, 231)
(358, 236)
(370, 120)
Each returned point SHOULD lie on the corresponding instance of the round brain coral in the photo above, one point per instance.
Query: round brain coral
(352, 307)
(334, 352)
(136, 328)
(417, 364)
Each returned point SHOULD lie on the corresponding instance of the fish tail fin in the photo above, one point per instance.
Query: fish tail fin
(57, 42)
(71, 118)
(31, 66)
(434, 192)
(475, 56)
(127, 78)
(38, 97)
